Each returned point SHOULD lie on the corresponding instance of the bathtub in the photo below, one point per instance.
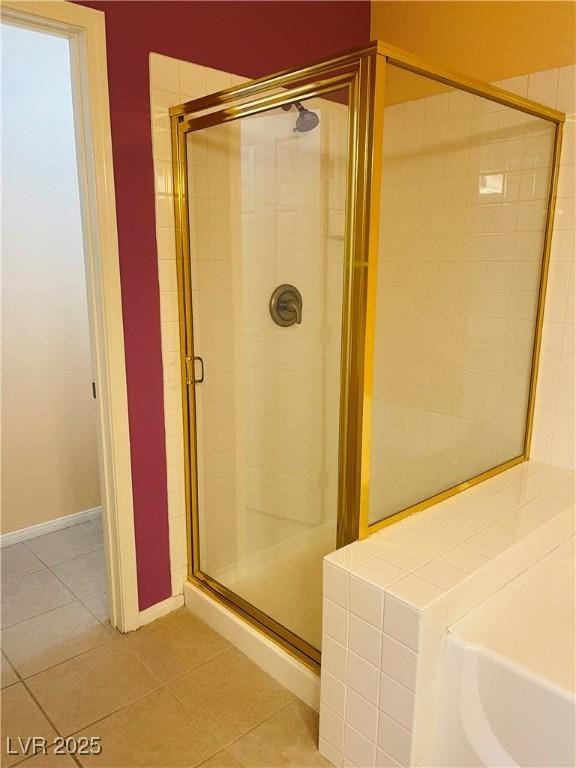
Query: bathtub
(507, 688)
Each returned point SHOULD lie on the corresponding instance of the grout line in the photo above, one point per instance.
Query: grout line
(127, 705)
(103, 622)
(99, 548)
(252, 728)
(71, 658)
(61, 530)
(3, 627)
(56, 576)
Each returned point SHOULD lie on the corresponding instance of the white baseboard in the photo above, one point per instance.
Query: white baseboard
(14, 537)
(161, 609)
(278, 663)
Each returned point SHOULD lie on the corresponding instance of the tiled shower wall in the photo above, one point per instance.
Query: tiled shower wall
(267, 412)
(267, 207)
(463, 212)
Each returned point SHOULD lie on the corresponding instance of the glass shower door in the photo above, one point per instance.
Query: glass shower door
(266, 203)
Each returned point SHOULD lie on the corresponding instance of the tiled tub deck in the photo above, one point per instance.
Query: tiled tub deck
(389, 599)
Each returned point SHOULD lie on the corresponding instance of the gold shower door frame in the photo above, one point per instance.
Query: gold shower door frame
(362, 72)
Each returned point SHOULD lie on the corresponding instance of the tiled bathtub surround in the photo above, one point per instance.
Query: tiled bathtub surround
(389, 599)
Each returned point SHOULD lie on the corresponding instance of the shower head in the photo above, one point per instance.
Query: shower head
(306, 120)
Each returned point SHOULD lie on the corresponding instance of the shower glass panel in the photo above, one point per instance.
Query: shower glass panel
(465, 193)
(266, 202)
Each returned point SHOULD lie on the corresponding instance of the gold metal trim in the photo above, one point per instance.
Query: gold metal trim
(285, 638)
(405, 60)
(277, 80)
(181, 218)
(543, 284)
(368, 530)
(265, 103)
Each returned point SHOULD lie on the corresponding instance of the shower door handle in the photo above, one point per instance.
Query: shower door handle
(191, 370)
(197, 358)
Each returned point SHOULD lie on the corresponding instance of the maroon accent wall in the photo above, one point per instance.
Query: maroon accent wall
(246, 38)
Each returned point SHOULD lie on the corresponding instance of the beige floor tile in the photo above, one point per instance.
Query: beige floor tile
(42, 642)
(230, 694)
(288, 739)
(91, 686)
(85, 575)
(31, 595)
(17, 560)
(222, 760)
(97, 604)
(22, 718)
(180, 643)
(6, 672)
(66, 544)
(154, 732)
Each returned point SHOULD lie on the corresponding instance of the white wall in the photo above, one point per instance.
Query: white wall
(49, 452)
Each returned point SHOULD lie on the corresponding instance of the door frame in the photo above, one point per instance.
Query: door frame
(85, 29)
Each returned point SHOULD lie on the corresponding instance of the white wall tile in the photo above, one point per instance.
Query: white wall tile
(394, 739)
(331, 754)
(401, 622)
(334, 657)
(363, 678)
(365, 640)
(164, 72)
(542, 86)
(379, 573)
(415, 591)
(566, 93)
(384, 760)
(358, 748)
(332, 728)
(333, 693)
(336, 584)
(335, 621)
(362, 716)
(366, 601)
(192, 80)
(399, 662)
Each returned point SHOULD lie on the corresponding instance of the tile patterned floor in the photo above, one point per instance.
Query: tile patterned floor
(172, 694)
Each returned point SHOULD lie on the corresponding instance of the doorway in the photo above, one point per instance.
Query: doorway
(51, 488)
(76, 37)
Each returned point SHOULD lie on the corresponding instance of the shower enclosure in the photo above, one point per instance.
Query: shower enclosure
(362, 247)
